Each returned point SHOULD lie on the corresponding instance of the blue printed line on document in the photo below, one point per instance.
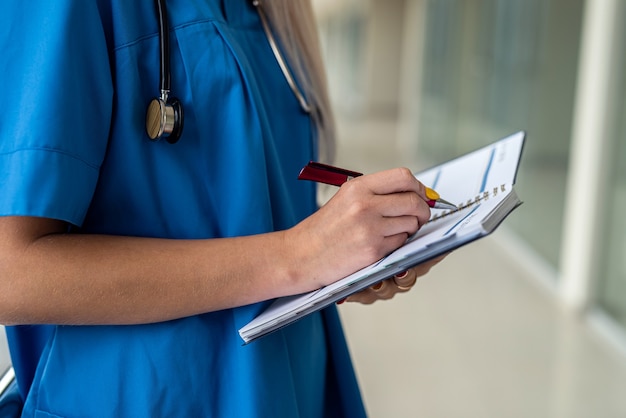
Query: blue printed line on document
(461, 220)
(437, 176)
(491, 157)
(482, 189)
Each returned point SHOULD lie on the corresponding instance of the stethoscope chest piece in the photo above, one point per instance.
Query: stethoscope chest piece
(164, 120)
(164, 117)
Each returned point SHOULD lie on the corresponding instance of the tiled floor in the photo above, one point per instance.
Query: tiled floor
(477, 337)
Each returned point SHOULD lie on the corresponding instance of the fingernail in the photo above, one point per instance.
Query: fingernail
(402, 275)
(341, 301)
(377, 286)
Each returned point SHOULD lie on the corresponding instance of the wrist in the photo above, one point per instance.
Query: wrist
(301, 271)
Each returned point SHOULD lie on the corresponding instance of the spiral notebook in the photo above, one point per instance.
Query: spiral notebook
(480, 183)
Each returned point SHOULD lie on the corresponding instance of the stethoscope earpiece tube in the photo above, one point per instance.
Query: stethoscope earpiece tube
(164, 117)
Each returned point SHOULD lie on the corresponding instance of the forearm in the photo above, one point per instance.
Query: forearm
(49, 276)
(78, 279)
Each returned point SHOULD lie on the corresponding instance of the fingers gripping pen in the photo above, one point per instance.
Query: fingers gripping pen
(328, 174)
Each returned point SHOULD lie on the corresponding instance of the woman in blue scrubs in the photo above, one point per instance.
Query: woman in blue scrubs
(128, 265)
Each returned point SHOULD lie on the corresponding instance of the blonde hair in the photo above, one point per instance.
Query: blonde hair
(293, 23)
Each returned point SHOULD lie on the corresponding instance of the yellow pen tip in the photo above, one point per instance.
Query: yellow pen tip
(431, 194)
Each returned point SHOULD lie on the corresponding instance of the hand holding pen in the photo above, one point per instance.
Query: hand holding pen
(324, 173)
(369, 217)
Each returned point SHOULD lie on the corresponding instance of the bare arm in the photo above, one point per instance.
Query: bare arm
(52, 277)
(48, 276)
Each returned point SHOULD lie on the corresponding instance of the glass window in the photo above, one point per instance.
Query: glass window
(493, 67)
(344, 55)
(612, 286)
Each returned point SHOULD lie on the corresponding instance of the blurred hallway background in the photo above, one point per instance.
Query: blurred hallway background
(529, 322)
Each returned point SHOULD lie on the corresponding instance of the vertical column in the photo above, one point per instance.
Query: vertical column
(384, 55)
(411, 66)
(590, 133)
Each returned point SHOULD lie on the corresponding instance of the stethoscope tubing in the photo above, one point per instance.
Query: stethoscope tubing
(164, 47)
(165, 117)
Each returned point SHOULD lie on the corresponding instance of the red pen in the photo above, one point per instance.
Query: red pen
(324, 173)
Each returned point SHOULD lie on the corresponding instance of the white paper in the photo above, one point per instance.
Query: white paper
(479, 182)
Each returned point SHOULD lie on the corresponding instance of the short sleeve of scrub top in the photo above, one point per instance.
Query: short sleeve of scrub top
(73, 147)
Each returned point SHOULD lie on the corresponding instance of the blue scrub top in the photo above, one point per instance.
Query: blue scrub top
(73, 147)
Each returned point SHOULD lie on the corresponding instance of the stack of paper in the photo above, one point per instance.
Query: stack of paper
(480, 183)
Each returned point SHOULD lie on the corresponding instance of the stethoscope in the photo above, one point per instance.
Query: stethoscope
(164, 116)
